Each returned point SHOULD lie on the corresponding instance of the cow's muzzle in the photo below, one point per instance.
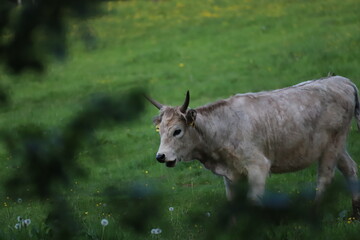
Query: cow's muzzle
(160, 157)
(171, 163)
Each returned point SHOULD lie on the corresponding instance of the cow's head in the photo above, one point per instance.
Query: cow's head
(176, 128)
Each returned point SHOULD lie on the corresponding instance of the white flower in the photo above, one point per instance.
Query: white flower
(19, 200)
(104, 222)
(27, 222)
(156, 231)
(19, 218)
(171, 209)
(17, 226)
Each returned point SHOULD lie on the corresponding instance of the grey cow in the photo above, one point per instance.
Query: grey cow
(255, 134)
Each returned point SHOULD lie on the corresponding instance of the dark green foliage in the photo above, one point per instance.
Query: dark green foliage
(62, 222)
(139, 206)
(29, 30)
(47, 160)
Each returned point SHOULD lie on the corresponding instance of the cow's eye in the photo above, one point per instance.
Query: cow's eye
(177, 132)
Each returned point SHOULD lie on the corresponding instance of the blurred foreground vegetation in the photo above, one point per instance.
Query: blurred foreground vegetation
(78, 144)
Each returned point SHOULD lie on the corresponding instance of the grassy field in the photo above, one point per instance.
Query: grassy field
(212, 48)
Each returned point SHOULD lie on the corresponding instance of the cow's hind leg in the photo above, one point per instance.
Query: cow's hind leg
(326, 169)
(348, 168)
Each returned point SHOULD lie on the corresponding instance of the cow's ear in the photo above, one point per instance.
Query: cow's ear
(157, 120)
(190, 117)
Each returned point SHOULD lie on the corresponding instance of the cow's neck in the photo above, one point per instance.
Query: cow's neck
(210, 137)
(208, 150)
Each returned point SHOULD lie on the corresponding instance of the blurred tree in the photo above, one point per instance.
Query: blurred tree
(30, 29)
(48, 161)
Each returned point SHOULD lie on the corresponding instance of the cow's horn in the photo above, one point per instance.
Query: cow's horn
(186, 103)
(154, 102)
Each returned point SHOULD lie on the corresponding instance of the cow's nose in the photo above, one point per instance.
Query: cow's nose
(160, 157)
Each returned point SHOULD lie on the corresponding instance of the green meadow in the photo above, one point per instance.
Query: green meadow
(214, 48)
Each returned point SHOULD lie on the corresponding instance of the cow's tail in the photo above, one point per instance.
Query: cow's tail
(357, 107)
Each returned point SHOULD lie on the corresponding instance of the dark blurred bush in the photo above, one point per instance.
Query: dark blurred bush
(280, 216)
(30, 31)
(137, 206)
(47, 160)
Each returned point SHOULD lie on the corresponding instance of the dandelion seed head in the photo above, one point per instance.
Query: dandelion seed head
(156, 231)
(27, 221)
(17, 226)
(19, 200)
(104, 222)
(171, 209)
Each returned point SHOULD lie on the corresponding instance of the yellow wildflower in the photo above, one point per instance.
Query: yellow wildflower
(208, 14)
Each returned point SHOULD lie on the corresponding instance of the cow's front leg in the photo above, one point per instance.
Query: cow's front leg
(257, 173)
(229, 189)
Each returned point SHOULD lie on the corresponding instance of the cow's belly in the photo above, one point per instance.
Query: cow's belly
(292, 164)
(298, 156)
